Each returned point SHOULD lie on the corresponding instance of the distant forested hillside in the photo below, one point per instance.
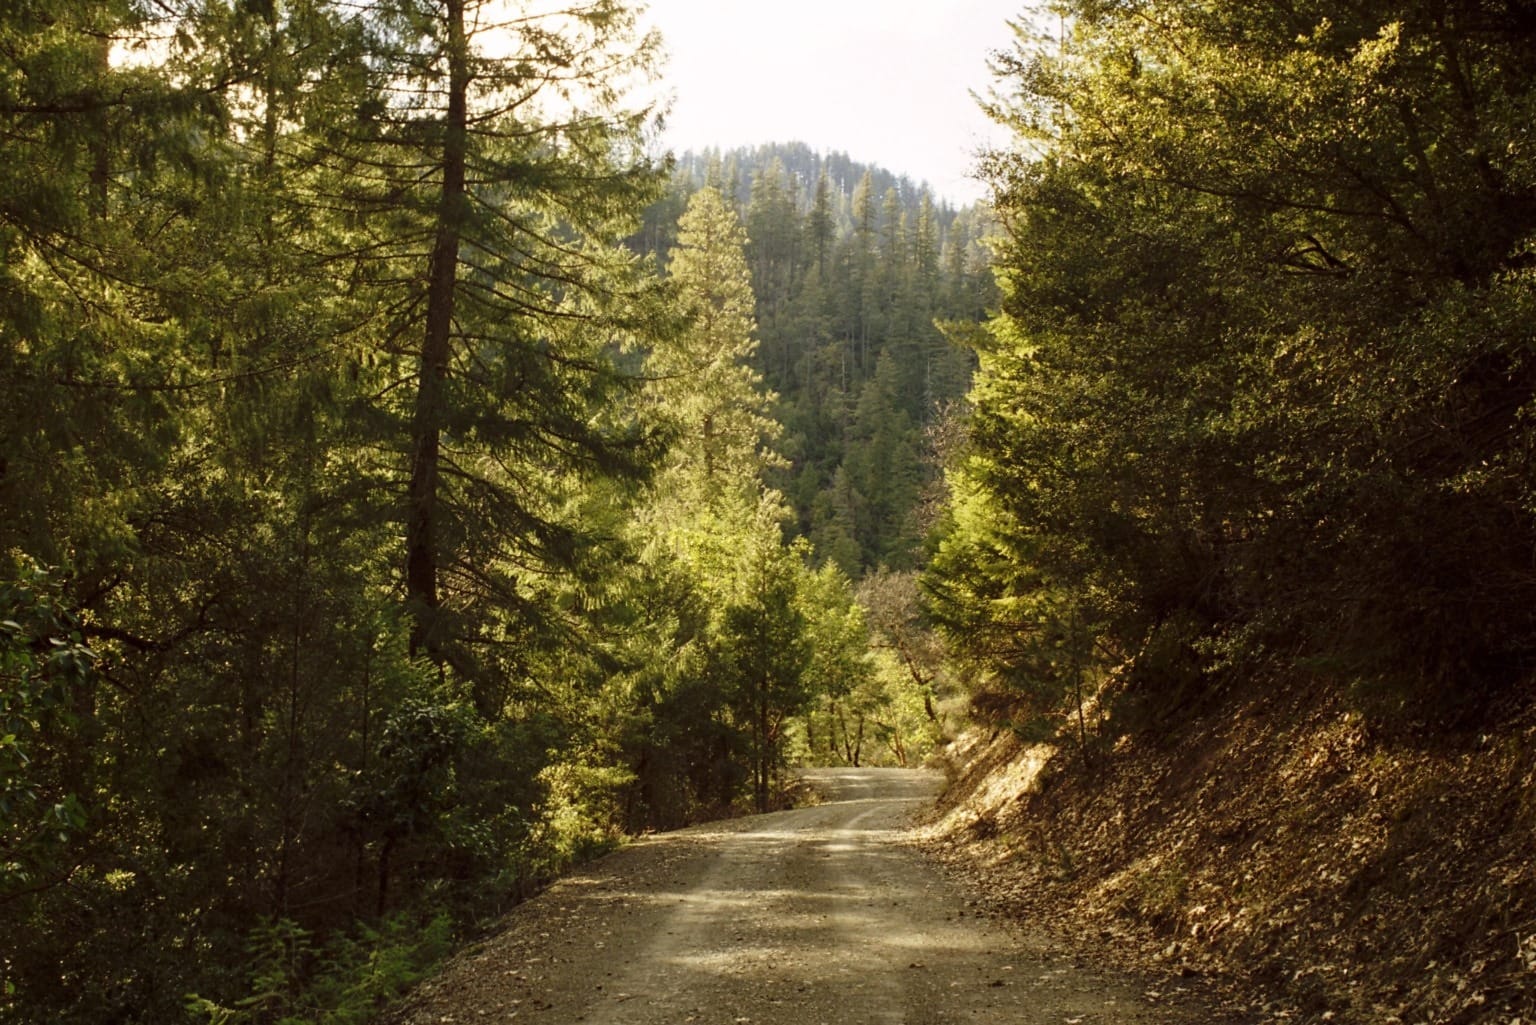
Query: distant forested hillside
(854, 268)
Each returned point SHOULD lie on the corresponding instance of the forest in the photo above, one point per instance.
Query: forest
(1260, 390)
(1243, 520)
(412, 483)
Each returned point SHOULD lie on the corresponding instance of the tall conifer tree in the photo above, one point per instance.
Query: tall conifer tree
(706, 376)
(504, 153)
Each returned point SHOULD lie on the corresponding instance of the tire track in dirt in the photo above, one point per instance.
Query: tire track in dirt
(818, 916)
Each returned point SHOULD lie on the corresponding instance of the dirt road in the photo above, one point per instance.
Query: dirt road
(818, 915)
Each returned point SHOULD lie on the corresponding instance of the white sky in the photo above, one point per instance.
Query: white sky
(888, 82)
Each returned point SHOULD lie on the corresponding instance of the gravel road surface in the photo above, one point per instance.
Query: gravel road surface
(823, 915)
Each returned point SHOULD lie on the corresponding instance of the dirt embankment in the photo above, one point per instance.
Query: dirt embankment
(1314, 864)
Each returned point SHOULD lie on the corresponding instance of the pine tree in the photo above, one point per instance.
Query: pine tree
(704, 379)
(820, 226)
(875, 264)
(861, 300)
(507, 288)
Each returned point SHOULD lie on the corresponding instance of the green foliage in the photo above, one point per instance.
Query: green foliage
(867, 708)
(347, 982)
(757, 638)
(761, 650)
(510, 296)
(852, 269)
(46, 670)
(702, 380)
(409, 791)
(1257, 388)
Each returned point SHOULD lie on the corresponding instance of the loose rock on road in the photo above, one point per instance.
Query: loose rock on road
(823, 914)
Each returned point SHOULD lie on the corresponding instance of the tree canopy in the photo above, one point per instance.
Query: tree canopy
(1260, 385)
(856, 273)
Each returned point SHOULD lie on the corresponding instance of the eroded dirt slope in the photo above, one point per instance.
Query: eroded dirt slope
(825, 914)
(1318, 863)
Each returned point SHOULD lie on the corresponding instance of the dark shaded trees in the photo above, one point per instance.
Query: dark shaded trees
(215, 310)
(1259, 384)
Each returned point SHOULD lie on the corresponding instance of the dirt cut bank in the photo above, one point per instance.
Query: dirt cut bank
(1320, 865)
(825, 914)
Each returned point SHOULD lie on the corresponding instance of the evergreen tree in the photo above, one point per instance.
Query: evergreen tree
(716, 723)
(820, 228)
(852, 266)
(705, 379)
(510, 319)
(1254, 390)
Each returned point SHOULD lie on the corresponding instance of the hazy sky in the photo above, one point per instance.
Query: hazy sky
(886, 81)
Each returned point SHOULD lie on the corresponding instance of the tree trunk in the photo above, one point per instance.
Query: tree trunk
(421, 570)
(386, 852)
(763, 752)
